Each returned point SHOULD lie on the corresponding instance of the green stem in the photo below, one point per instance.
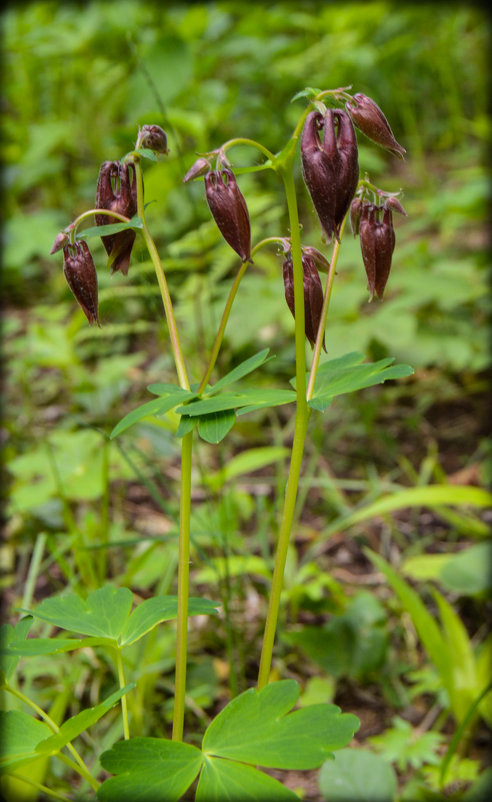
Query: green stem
(124, 703)
(82, 770)
(324, 313)
(252, 142)
(79, 766)
(40, 787)
(183, 587)
(161, 279)
(301, 423)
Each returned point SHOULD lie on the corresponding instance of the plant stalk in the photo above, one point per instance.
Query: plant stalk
(124, 703)
(301, 423)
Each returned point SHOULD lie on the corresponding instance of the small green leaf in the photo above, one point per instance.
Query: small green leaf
(80, 722)
(186, 425)
(21, 734)
(241, 370)
(157, 609)
(214, 427)
(469, 571)
(333, 380)
(11, 637)
(356, 774)
(250, 398)
(149, 770)
(111, 228)
(158, 406)
(308, 92)
(34, 647)
(253, 728)
(228, 781)
(103, 614)
(262, 399)
(166, 388)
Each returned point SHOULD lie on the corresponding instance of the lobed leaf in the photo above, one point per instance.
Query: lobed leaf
(357, 774)
(228, 781)
(157, 609)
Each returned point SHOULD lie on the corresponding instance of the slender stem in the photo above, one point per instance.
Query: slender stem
(124, 703)
(324, 313)
(83, 770)
(161, 278)
(301, 423)
(183, 587)
(40, 787)
(244, 141)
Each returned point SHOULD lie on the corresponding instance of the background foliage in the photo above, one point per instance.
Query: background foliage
(80, 78)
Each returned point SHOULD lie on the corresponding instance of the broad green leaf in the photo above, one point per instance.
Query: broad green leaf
(469, 571)
(21, 734)
(425, 624)
(149, 770)
(254, 397)
(111, 228)
(241, 370)
(186, 425)
(158, 406)
(157, 609)
(332, 381)
(10, 637)
(103, 614)
(254, 728)
(80, 722)
(356, 774)
(426, 496)
(213, 427)
(228, 781)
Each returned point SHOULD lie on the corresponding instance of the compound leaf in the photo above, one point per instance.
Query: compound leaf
(149, 770)
(228, 781)
(157, 609)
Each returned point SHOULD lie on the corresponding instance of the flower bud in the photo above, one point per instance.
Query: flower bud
(355, 213)
(61, 240)
(116, 193)
(154, 138)
(197, 169)
(377, 242)
(229, 210)
(331, 169)
(80, 273)
(394, 204)
(313, 294)
(369, 118)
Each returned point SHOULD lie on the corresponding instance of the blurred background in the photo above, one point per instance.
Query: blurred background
(78, 81)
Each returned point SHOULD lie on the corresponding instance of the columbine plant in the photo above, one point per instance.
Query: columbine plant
(256, 728)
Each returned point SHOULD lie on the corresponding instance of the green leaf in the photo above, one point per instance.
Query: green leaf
(186, 425)
(21, 734)
(469, 571)
(308, 92)
(149, 770)
(241, 370)
(333, 380)
(253, 728)
(228, 781)
(103, 614)
(112, 228)
(11, 637)
(158, 406)
(80, 722)
(213, 427)
(251, 397)
(34, 647)
(157, 609)
(356, 774)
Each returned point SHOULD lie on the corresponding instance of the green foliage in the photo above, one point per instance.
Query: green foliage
(406, 747)
(255, 728)
(359, 775)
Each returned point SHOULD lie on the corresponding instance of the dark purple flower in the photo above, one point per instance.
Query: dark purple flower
(313, 294)
(117, 192)
(154, 138)
(377, 242)
(229, 210)
(369, 118)
(80, 273)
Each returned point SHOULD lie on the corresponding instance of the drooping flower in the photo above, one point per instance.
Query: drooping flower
(229, 210)
(377, 242)
(369, 118)
(117, 192)
(81, 276)
(154, 138)
(313, 293)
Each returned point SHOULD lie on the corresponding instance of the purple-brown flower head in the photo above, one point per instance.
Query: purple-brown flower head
(355, 213)
(117, 192)
(313, 294)
(369, 118)
(80, 273)
(229, 210)
(154, 138)
(394, 204)
(61, 240)
(331, 167)
(197, 169)
(377, 242)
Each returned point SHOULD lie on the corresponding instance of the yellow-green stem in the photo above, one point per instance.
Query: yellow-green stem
(301, 423)
(40, 787)
(124, 703)
(324, 313)
(183, 587)
(82, 768)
